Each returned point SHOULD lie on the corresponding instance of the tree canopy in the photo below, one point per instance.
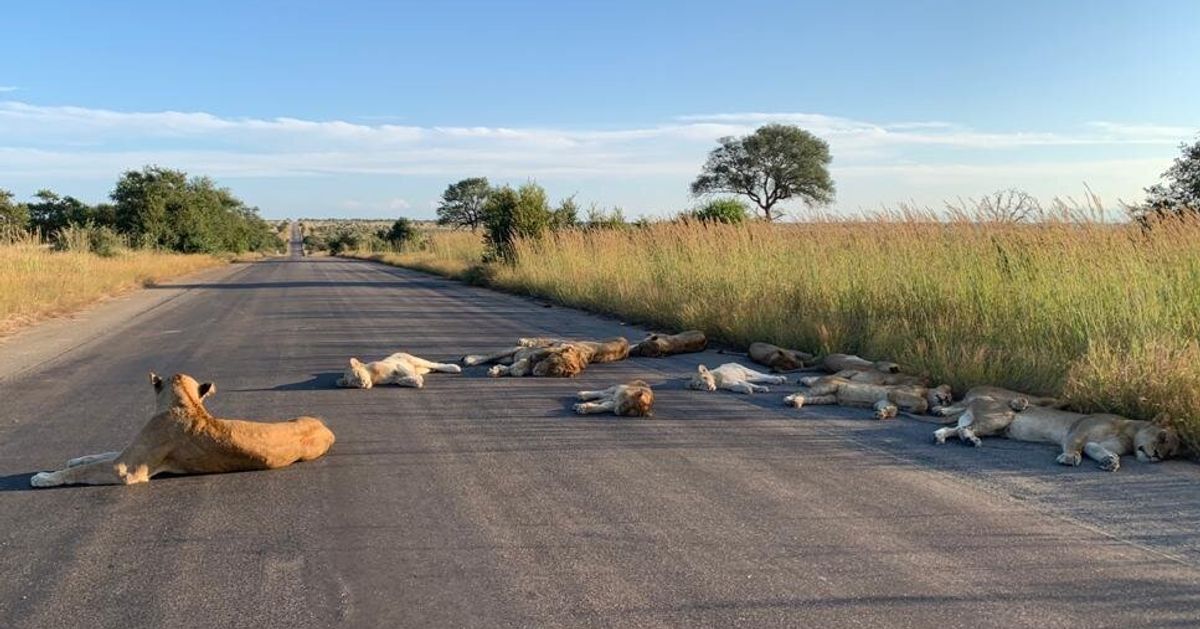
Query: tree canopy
(775, 163)
(462, 203)
(1180, 191)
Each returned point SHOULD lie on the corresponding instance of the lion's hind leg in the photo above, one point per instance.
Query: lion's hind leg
(591, 408)
(101, 472)
(429, 365)
(595, 395)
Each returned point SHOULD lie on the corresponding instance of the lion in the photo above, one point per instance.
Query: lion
(403, 369)
(1007, 396)
(834, 363)
(868, 376)
(1103, 437)
(778, 358)
(732, 377)
(555, 358)
(886, 400)
(660, 345)
(632, 399)
(183, 438)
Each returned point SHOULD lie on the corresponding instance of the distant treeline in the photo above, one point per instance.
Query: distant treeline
(154, 208)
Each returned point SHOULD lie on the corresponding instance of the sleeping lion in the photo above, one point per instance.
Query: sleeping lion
(886, 400)
(1104, 438)
(659, 345)
(183, 438)
(632, 399)
(402, 369)
(733, 377)
(778, 358)
(547, 357)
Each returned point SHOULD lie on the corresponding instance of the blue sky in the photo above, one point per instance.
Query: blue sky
(371, 108)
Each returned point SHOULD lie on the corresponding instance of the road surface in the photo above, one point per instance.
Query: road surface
(480, 502)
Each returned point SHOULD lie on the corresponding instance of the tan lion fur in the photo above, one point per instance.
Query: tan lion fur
(868, 376)
(778, 358)
(887, 400)
(632, 399)
(402, 369)
(834, 363)
(555, 358)
(659, 345)
(182, 437)
(1102, 437)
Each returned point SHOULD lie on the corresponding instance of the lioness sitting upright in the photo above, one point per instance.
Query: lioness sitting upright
(183, 438)
(555, 358)
(778, 358)
(1103, 437)
(659, 345)
(633, 399)
(732, 377)
(403, 369)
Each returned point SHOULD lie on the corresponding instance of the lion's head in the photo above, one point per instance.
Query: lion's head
(703, 380)
(941, 395)
(567, 362)
(639, 400)
(356, 376)
(654, 346)
(1155, 443)
(180, 390)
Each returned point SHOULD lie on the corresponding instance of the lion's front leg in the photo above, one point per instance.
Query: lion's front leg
(1109, 461)
(472, 360)
(102, 472)
(595, 395)
(592, 408)
(92, 458)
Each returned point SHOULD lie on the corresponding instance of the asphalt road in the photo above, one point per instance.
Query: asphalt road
(485, 502)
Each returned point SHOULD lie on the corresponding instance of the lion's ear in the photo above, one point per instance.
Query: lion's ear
(701, 369)
(1162, 437)
(354, 362)
(156, 381)
(207, 389)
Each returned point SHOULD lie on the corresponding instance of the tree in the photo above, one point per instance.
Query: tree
(13, 216)
(511, 214)
(775, 163)
(599, 218)
(51, 212)
(144, 199)
(566, 215)
(462, 203)
(721, 211)
(1181, 192)
(402, 231)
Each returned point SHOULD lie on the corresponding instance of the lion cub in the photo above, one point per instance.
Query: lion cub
(403, 369)
(732, 377)
(633, 399)
(183, 438)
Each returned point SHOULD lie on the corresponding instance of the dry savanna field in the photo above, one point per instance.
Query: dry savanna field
(1105, 314)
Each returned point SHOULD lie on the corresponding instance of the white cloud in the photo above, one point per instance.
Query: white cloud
(8, 88)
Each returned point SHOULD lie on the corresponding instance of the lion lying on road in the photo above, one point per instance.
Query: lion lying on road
(633, 399)
(659, 345)
(554, 358)
(183, 438)
(732, 377)
(403, 369)
(887, 400)
(778, 358)
(1102, 437)
(834, 363)
(868, 376)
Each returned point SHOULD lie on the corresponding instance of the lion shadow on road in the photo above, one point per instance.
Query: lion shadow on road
(316, 382)
(16, 482)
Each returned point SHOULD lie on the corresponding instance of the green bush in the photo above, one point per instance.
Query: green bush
(511, 214)
(101, 240)
(725, 210)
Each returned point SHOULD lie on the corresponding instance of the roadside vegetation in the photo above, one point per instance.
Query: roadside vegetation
(58, 253)
(1059, 299)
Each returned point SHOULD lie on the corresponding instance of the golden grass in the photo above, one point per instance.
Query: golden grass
(36, 282)
(450, 253)
(1105, 314)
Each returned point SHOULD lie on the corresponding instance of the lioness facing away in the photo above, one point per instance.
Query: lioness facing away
(732, 377)
(659, 345)
(778, 358)
(633, 399)
(886, 400)
(1104, 438)
(403, 369)
(555, 358)
(183, 438)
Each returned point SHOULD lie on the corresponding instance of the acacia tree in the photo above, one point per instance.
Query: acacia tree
(775, 163)
(1181, 192)
(13, 216)
(462, 203)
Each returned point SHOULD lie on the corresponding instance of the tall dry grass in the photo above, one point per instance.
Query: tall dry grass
(36, 282)
(1106, 314)
(455, 254)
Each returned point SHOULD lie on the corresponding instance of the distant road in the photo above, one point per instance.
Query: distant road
(480, 502)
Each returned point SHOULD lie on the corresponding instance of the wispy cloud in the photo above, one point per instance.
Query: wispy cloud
(8, 88)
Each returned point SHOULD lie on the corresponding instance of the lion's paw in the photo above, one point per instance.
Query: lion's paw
(779, 380)
(452, 369)
(1069, 458)
(43, 479)
(1110, 463)
(795, 400)
(939, 437)
(495, 372)
(580, 409)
